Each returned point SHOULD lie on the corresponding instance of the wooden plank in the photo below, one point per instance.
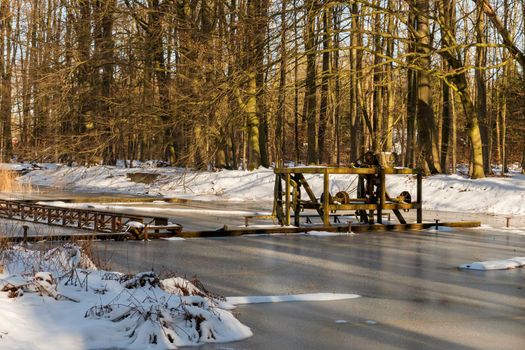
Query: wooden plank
(287, 200)
(326, 198)
(238, 232)
(419, 197)
(399, 216)
(321, 170)
(401, 171)
(334, 228)
(391, 206)
(382, 195)
(353, 206)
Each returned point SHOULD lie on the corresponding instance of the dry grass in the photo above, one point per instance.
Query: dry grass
(8, 182)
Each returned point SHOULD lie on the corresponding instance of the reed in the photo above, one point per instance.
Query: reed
(8, 182)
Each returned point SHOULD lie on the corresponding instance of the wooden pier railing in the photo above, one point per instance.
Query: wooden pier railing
(84, 219)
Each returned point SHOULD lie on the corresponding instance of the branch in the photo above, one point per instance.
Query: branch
(503, 32)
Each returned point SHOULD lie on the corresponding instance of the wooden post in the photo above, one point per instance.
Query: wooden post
(275, 194)
(25, 228)
(287, 194)
(95, 222)
(382, 196)
(296, 201)
(370, 190)
(326, 200)
(419, 197)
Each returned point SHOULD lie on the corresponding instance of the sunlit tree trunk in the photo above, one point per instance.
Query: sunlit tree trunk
(311, 87)
(427, 131)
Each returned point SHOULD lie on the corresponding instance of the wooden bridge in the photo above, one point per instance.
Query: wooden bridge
(83, 219)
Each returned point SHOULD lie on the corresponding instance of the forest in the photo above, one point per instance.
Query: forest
(210, 84)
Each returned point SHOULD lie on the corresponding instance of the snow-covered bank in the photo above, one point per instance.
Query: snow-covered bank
(491, 195)
(58, 299)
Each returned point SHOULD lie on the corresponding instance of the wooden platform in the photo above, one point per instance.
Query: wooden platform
(227, 232)
(372, 197)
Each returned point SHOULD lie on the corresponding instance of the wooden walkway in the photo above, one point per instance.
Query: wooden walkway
(84, 219)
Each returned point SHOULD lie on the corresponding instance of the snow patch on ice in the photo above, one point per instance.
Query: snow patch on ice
(288, 298)
(511, 263)
(440, 229)
(328, 234)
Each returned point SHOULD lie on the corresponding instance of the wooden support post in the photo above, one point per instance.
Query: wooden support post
(382, 196)
(419, 197)
(95, 222)
(399, 216)
(326, 198)
(287, 203)
(370, 190)
(275, 195)
(25, 228)
(296, 201)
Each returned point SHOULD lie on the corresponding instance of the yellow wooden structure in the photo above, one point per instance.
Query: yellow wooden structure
(372, 197)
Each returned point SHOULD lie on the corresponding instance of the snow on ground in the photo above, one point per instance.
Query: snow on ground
(495, 264)
(58, 299)
(491, 195)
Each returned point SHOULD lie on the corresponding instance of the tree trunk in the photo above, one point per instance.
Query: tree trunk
(311, 87)
(281, 108)
(427, 132)
(5, 75)
(356, 65)
(459, 79)
(325, 81)
(410, 157)
(481, 88)
(377, 105)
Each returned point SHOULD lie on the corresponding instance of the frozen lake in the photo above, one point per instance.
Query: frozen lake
(413, 295)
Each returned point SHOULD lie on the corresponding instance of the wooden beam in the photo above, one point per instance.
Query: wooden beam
(419, 197)
(326, 198)
(321, 170)
(382, 195)
(287, 196)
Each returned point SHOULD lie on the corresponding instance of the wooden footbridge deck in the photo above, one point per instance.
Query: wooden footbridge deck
(82, 219)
